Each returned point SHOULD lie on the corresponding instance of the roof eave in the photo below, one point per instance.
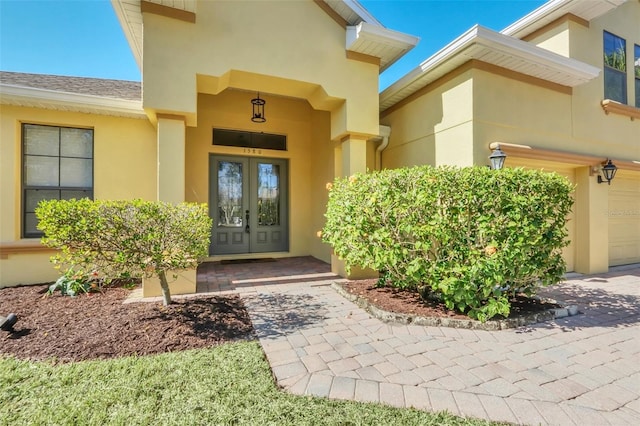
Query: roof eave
(374, 40)
(52, 99)
(575, 71)
(555, 9)
(129, 33)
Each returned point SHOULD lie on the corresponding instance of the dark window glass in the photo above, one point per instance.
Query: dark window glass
(57, 164)
(249, 139)
(615, 68)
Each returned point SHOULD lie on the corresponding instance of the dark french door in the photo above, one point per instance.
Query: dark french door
(248, 202)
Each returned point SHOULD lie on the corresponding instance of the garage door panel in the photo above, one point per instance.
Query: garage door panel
(624, 221)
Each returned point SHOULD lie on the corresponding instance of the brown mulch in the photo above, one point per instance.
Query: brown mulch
(409, 302)
(99, 325)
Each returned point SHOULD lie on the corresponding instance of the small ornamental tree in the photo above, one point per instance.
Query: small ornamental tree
(132, 238)
(475, 237)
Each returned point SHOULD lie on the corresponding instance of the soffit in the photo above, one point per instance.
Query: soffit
(489, 46)
(554, 9)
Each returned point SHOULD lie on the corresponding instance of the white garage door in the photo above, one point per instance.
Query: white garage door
(624, 220)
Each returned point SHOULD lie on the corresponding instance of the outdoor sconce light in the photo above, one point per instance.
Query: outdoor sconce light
(258, 110)
(609, 171)
(497, 158)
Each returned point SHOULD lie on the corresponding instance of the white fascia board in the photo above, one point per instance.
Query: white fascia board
(539, 13)
(362, 12)
(500, 43)
(555, 9)
(72, 100)
(380, 35)
(129, 32)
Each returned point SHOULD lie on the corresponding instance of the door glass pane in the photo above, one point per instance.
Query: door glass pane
(41, 171)
(268, 194)
(41, 140)
(76, 172)
(229, 194)
(76, 143)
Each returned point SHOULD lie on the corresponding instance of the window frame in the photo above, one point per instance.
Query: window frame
(25, 188)
(636, 72)
(610, 70)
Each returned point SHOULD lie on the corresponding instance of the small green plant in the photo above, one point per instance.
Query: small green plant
(73, 283)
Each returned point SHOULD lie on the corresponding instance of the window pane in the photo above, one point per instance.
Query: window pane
(615, 49)
(34, 196)
(41, 171)
(41, 140)
(615, 85)
(249, 139)
(77, 195)
(31, 225)
(229, 194)
(268, 194)
(76, 143)
(76, 172)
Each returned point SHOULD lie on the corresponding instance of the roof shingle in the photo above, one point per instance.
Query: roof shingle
(116, 89)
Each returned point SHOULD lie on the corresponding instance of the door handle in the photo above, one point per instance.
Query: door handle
(246, 227)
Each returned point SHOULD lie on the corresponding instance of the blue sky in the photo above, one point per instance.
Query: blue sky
(84, 38)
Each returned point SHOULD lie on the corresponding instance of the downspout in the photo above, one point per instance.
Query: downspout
(383, 138)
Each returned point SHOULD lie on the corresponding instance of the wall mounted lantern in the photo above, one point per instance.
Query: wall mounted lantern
(497, 158)
(258, 110)
(609, 171)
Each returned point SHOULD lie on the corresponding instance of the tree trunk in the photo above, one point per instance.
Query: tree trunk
(166, 294)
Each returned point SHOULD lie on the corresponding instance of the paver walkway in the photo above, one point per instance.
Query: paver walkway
(582, 370)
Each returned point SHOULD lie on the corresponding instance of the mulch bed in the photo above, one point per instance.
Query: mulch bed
(99, 325)
(409, 302)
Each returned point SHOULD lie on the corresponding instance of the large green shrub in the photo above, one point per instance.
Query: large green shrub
(133, 238)
(473, 236)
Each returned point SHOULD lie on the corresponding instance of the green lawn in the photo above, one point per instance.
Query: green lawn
(230, 384)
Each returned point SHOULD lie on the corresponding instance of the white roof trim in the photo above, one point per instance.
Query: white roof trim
(362, 12)
(495, 48)
(373, 40)
(65, 101)
(554, 9)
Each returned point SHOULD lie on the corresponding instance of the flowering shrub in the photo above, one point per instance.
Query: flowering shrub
(126, 238)
(475, 237)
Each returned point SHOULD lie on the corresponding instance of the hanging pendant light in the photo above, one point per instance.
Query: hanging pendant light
(258, 110)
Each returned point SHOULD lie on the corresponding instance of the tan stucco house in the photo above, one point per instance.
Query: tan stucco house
(256, 130)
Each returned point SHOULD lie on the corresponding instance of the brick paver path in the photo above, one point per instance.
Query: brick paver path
(578, 370)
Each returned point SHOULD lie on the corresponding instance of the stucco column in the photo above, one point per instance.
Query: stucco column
(354, 155)
(171, 158)
(592, 223)
(354, 160)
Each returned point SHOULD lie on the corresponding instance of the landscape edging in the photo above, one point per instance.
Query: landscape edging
(490, 325)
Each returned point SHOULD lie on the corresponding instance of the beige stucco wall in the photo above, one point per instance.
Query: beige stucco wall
(287, 48)
(436, 128)
(124, 168)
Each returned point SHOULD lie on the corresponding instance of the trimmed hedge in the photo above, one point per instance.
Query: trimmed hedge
(473, 236)
(132, 238)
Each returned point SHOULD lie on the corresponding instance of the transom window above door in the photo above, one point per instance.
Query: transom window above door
(254, 140)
